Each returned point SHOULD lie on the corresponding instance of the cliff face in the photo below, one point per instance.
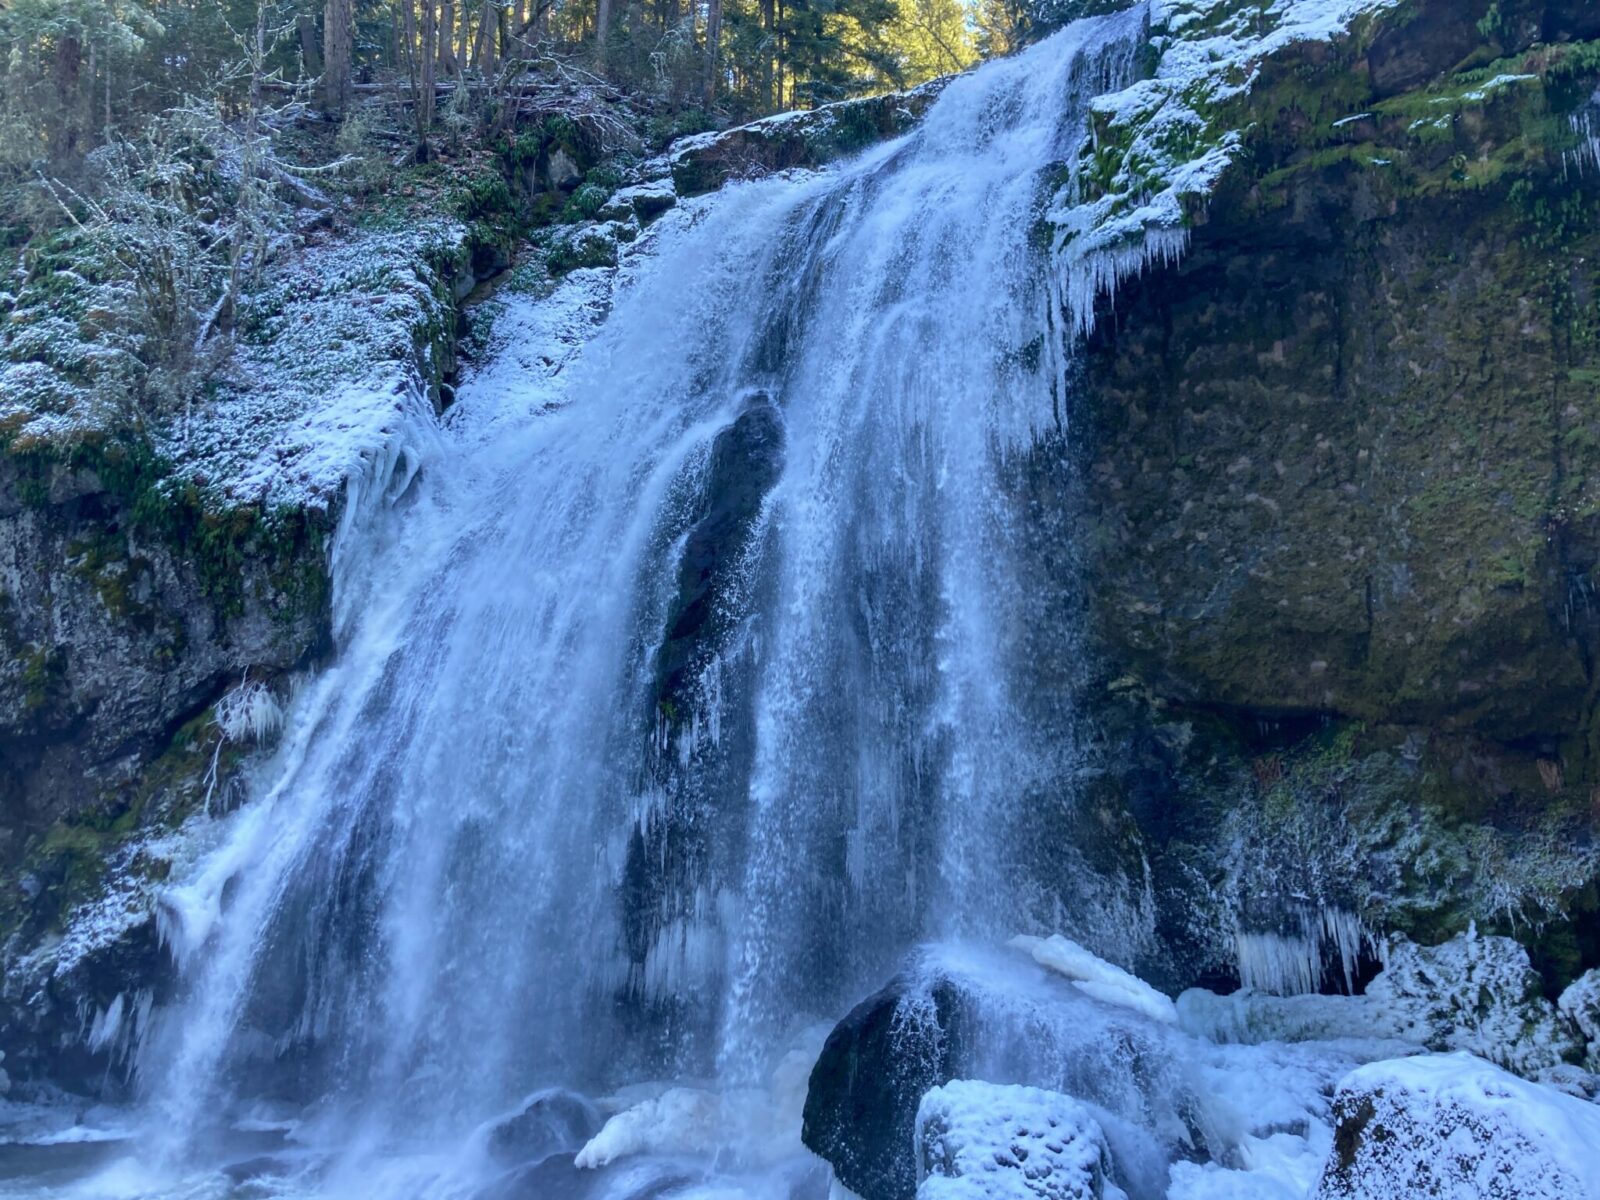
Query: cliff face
(120, 628)
(1340, 471)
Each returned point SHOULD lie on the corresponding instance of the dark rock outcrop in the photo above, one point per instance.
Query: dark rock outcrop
(877, 1064)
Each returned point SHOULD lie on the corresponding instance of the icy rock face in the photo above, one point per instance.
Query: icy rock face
(985, 1141)
(961, 1013)
(1454, 1125)
(1472, 993)
(1581, 1005)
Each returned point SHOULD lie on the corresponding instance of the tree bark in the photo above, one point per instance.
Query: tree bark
(447, 25)
(337, 21)
(69, 65)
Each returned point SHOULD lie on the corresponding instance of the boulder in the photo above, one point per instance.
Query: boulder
(985, 1141)
(961, 1014)
(1472, 993)
(1455, 1125)
(1580, 1004)
(550, 1122)
(877, 1064)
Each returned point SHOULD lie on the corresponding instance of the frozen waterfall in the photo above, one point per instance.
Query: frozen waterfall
(679, 695)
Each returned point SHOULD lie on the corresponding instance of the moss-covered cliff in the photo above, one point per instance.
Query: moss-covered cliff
(1340, 470)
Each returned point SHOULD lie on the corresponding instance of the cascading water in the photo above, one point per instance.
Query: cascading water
(669, 716)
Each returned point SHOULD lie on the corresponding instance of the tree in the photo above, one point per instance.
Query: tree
(338, 27)
(713, 41)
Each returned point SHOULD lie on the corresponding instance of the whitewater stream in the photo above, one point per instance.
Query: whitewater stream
(679, 696)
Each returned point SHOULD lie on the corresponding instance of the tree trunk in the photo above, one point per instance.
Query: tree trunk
(429, 58)
(337, 20)
(602, 30)
(69, 64)
(770, 26)
(310, 52)
(447, 25)
(713, 38)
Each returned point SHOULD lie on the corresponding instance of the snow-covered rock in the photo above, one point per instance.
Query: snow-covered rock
(1581, 1005)
(985, 1141)
(1456, 1126)
(1473, 993)
(1095, 977)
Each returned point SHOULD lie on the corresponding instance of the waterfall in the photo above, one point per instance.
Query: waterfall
(677, 702)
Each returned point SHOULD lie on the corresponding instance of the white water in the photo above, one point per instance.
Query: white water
(494, 855)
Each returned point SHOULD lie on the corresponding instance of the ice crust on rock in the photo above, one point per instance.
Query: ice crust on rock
(986, 1141)
(1456, 1126)
(1097, 978)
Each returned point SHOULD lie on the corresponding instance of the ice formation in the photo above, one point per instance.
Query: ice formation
(1095, 977)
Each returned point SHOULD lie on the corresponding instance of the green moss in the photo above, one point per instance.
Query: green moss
(43, 675)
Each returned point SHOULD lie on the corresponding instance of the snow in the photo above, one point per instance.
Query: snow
(752, 1127)
(327, 377)
(1455, 1125)
(985, 1141)
(1095, 977)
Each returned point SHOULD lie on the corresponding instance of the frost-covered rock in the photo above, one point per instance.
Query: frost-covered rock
(985, 1141)
(1581, 1005)
(1473, 993)
(1094, 976)
(1454, 1125)
(795, 139)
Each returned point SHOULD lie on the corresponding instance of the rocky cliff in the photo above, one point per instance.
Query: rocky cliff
(1337, 488)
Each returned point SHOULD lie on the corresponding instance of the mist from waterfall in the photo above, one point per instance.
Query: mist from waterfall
(676, 700)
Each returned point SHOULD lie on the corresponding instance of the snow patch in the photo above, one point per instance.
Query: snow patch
(985, 1141)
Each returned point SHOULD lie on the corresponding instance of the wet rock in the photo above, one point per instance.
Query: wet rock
(746, 461)
(977, 1141)
(1454, 1125)
(550, 1122)
(877, 1064)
